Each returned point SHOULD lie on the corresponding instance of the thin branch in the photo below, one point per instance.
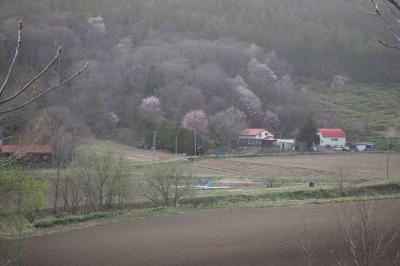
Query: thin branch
(9, 262)
(58, 53)
(363, 8)
(394, 3)
(387, 45)
(19, 41)
(387, 25)
(46, 91)
(392, 12)
(4, 162)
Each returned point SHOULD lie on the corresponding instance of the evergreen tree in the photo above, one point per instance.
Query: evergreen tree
(308, 134)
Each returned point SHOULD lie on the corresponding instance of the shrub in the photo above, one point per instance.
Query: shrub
(52, 221)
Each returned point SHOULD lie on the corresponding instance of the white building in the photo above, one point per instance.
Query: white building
(331, 137)
(364, 146)
(286, 144)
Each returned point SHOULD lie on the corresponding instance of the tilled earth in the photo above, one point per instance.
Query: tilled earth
(259, 236)
(353, 165)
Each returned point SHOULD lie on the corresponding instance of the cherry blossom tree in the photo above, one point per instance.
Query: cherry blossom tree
(261, 72)
(247, 100)
(196, 120)
(150, 106)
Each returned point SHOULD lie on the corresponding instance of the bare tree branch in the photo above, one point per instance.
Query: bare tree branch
(19, 41)
(387, 45)
(392, 12)
(8, 262)
(58, 53)
(394, 3)
(12, 109)
(30, 82)
(391, 5)
(363, 8)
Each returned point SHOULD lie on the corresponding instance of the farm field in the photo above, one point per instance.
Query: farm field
(258, 175)
(354, 166)
(254, 175)
(255, 236)
(137, 156)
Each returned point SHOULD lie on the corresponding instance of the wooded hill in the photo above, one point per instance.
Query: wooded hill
(247, 63)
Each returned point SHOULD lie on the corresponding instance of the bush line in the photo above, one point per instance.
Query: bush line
(303, 194)
(52, 221)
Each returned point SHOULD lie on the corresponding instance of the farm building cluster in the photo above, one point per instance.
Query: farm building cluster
(328, 138)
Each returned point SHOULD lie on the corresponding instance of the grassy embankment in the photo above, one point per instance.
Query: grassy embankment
(366, 112)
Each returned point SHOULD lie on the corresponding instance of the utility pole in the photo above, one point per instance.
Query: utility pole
(176, 145)
(387, 158)
(154, 147)
(195, 144)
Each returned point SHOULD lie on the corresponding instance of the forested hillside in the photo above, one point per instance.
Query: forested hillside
(215, 66)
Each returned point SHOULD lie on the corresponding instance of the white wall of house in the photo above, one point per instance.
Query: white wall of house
(331, 141)
(250, 140)
(254, 140)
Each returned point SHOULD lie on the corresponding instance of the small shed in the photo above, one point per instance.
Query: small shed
(286, 144)
(364, 146)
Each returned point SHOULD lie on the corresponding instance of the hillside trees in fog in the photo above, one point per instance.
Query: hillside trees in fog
(190, 55)
(226, 125)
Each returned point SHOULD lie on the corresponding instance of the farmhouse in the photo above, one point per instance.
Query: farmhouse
(331, 137)
(256, 137)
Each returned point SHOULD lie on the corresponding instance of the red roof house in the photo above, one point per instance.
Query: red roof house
(332, 132)
(255, 137)
(331, 137)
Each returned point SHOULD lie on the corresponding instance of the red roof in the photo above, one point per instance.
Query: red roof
(19, 149)
(251, 131)
(332, 132)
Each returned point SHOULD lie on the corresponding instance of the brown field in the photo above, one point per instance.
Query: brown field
(259, 236)
(355, 165)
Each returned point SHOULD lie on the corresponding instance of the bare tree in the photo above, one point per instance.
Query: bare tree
(368, 235)
(306, 243)
(226, 125)
(390, 17)
(165, 185)
(10, 103)
(339, 172)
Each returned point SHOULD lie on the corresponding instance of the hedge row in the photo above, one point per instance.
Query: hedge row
(51, 221)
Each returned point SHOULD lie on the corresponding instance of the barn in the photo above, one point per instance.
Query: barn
(331, 137)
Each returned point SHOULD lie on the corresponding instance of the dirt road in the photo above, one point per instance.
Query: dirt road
(262, 236)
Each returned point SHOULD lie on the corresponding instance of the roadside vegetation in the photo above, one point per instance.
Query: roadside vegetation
(258, 198)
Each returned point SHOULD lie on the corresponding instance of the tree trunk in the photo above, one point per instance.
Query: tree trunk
(66, 204)
(57, 188)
